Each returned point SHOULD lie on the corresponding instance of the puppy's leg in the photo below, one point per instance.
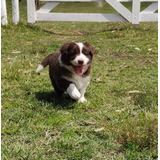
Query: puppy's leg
(82, 91)
(73, 92)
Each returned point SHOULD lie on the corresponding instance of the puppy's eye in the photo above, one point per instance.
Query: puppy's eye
(86, 53)
(72, 58)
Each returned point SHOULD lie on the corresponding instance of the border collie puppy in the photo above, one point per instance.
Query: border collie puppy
(70, 69)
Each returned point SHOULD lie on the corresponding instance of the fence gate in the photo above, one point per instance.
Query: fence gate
(135, 16)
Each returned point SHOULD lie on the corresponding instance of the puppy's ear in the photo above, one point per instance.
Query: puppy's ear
(90, 48)
(64, 49)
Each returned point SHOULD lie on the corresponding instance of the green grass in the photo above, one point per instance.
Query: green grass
(122, 95)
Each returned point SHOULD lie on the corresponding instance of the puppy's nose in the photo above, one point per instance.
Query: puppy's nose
(80, 62)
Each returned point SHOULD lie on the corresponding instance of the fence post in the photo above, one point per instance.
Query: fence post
(3, 13)
(15, 11)
(31, 11)
(136, 4)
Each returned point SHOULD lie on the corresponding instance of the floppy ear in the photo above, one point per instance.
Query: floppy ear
(64, 49)
(90, 48)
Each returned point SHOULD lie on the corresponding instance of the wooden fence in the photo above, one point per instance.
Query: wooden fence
(44, 13)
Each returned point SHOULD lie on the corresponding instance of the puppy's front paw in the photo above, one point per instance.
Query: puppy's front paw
(75, 95)
(73, 92)
(82, 100)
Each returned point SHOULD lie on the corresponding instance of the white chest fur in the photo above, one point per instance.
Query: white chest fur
(79, 81)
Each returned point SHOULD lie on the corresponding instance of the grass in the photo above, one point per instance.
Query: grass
(119, 121)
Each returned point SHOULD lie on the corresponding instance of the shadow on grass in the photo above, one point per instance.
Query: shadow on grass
(80, 33)
(146, 100)
(57, 101)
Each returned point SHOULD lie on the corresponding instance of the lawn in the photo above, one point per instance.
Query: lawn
(119, 120)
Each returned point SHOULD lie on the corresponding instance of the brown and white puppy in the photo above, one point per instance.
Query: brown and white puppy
(70, 69)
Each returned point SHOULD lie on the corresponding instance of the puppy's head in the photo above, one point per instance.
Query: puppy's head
(77, 55)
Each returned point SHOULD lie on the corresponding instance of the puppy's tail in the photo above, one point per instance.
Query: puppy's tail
(44, 63)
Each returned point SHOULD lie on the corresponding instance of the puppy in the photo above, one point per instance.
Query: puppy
(70, 69)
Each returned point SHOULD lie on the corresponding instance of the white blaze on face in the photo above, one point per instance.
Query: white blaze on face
(80, 57)
(80, 68)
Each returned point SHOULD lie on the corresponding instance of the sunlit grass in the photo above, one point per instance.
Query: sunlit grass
(119, 121)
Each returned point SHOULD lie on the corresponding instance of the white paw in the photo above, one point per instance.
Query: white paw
(82, 100)
(73, 92)
(75, 95)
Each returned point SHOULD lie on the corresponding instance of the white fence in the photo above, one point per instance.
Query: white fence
(15, 12)
(136, 16)
(3, 12)
(43, 14)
